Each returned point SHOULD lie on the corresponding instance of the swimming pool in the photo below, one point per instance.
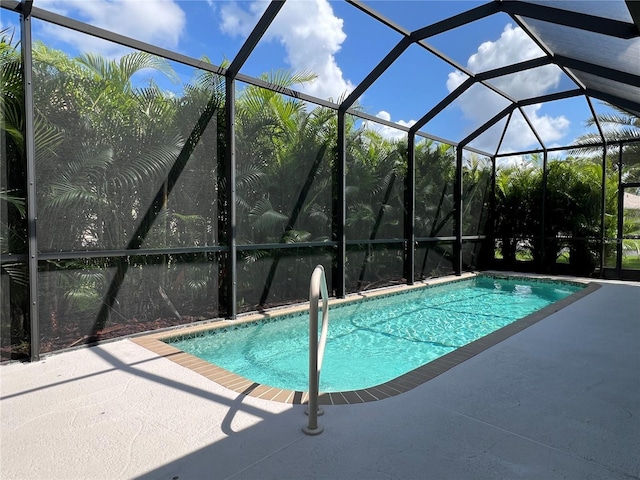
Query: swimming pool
(375, 340)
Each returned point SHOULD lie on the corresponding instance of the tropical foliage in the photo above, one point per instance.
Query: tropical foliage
(623, 159)
(130, 169)
(14, 319)
(572, 214)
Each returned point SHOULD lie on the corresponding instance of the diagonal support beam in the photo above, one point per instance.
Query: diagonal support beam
(385, 63)
(504, 134)
(444, 103)
(551, 97)
(456, 21)
(582, 21)
(598, 70)
(479, 78)
(363, 7)
(513, 68)
(254, 37)
(509, 109)
(634, 10)
(487, 125)
(624, 103)
(532, 127)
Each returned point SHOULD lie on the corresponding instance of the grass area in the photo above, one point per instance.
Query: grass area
(631, 262)
(563, 258)
(523, 256)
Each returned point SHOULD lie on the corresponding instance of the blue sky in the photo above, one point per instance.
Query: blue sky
(341, 45)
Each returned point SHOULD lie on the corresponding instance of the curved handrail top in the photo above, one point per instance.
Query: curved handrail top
(318, 289)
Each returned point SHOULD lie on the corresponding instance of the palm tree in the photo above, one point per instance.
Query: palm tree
(121, 179)
(434, 211)
(573, 209)
(118, 144)
(617, 126)
(476, 208)
(518, 209)
(376, 168)
(284, 181)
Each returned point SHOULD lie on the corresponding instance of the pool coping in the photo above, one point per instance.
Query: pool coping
(155, 342)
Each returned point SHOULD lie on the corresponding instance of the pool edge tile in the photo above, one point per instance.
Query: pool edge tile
(156, 343)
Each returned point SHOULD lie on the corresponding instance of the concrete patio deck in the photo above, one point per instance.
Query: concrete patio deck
(560, 399)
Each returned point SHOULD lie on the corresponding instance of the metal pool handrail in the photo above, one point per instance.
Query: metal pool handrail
(317, 289)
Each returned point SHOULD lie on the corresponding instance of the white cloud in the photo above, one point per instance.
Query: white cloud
(160, 22)
(513, 42)
(389, 133)
(519, 135)
(550, 129)
(479, 104)
(310, 33)
(521, 161)
(237, 21)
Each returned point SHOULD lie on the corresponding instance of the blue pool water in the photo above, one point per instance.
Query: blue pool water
(371, 342)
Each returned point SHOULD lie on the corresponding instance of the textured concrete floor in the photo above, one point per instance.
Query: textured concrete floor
(558, 400)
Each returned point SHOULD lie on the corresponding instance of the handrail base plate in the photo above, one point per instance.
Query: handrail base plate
(312, 431)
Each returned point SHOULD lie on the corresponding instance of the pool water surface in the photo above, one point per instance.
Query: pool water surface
(375, 340)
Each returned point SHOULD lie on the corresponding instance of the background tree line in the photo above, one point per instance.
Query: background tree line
(124, 164)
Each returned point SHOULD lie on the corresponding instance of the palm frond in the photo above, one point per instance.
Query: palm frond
(11, 122)
(120, 72)
(57, 60)
(18, 203)
(98, 65)
(615, 119)
(318, 215)
(296, 236)
(88, 165)
(153, 102)
(6, 35)
(264, 217)
(47, 139)
(65, 196)
(360, 212)
(133, 63)
(253, 256)
(207, 81)
(152, 163)
(617, 126)
(17, 272)
(287, 78)
(250, 176)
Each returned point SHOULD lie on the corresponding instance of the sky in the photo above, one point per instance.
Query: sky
(341, 44)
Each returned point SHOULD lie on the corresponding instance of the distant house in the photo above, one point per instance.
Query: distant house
(631, 201)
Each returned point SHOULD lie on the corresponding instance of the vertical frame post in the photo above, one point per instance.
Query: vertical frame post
(27, 65)
(603, 208)
(241, 57)
(409, 209)
(543, 213)
(340, 207)
(492, 205)
(230, 175)
(457, 250)
(620, 215)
